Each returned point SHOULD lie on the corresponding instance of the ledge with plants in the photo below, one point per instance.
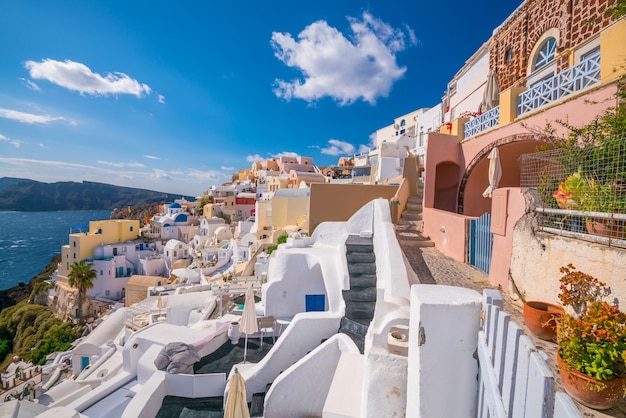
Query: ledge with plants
(591, 338)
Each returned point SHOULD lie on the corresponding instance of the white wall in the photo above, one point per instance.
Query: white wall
(288, 397)
(442, 370)
(291, 276)
(537, 258)
(470, 85)
(305, 332)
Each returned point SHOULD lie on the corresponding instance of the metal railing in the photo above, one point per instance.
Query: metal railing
(485, 121)
(581, 191)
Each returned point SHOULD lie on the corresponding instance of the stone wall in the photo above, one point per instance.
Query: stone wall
(537, 258)
(576, 22)
(63, 304)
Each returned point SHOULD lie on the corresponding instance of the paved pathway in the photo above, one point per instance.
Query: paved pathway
(432, 267)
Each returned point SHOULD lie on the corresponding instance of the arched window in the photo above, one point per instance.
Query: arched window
(545, 54)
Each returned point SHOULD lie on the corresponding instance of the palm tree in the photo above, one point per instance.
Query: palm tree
(81, 277)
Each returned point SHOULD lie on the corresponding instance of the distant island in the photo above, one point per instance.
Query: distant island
(26, 195)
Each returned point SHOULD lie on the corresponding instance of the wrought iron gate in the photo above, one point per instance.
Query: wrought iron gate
(480, 241)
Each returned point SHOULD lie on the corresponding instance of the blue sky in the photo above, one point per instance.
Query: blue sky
(177, 96)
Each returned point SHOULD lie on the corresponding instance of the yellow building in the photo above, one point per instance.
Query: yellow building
(279, 182)
(81, 245)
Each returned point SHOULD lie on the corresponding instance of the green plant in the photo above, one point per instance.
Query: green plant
(590, 195)
(81, 277)
(593, 340)
(569, 192)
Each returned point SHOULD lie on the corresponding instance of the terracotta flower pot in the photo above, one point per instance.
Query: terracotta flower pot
(606, 228)
(591, 392)
(540, 318)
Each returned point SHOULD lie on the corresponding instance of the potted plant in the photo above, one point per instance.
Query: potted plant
(540, 318)
(606, 198)
(590, 195)
(568, 196)
(591, 338)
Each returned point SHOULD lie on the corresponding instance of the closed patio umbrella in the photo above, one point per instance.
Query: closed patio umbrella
(491, 95)
(495, 172)
(236, 403)
(248, 324)
(161, 303)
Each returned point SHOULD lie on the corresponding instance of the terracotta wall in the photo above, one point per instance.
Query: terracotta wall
(576, 20)
(338, 202)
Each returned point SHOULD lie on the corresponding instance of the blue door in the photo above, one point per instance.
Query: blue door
(480, 242)
(84, 362)
(315, 303)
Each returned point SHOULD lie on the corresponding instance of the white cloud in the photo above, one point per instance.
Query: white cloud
(151, 157)
(412, 38)
(30, 84)
(227, 168)
(362, 67)
(110, 164)
(254, 158)
(43, 146)
(27, 117)
(337, 147)
(15, 142)
(135, 164)
(363, 149)
(45, 163)
(286, 154)
(158, 174)
(78, 77)
(161, 99)
(207, 176)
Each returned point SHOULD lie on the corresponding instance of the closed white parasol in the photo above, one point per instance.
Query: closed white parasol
(495, 172)
(248, 324)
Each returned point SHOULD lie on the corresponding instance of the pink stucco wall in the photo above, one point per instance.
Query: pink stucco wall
(502, 248)
(513, 140)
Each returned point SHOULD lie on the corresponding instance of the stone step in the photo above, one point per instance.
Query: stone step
(363, 280)
(407, 223)
(413, 216)
(360, 294)
(360, 248)
(361, 268)
(352, 326)
(413, 239)
(358, 311)
(361, 258)
(357, 244)
(415, 199)
(413, 207)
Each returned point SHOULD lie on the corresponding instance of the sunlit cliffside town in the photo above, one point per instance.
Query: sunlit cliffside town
(293, 279)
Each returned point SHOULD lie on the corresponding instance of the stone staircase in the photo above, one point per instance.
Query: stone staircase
(410, 228)
(360, 299)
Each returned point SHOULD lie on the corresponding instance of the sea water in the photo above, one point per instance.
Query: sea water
(29, 240)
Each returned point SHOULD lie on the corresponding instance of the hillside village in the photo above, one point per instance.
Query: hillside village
(347, 327)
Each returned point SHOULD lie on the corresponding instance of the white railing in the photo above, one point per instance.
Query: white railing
(514, 378)
(485, 121)
(574, 79)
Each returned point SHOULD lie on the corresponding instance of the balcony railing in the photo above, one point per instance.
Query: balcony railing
(487, 120)
(574, 79)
